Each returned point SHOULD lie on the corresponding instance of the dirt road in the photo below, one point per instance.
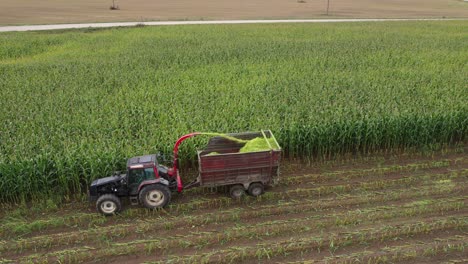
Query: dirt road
(168, 23)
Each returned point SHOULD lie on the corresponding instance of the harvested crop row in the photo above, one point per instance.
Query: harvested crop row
(399, 253)
(263, 251)
(349, 162)
(143, 229)
(271, 229)
(408, 180)
(352, 174)
(22, 227)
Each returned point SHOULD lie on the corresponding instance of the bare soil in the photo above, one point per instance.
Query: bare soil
(24, 12)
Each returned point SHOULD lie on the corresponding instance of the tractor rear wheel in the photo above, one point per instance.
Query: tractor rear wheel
(237, 191)
(108, 204)
(256, 189)
(155, 196)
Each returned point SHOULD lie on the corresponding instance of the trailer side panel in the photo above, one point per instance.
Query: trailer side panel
(231, 167)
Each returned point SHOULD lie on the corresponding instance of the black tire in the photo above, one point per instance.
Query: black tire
(155, 196)
(108, 204)
(256, 189)
(237, 191)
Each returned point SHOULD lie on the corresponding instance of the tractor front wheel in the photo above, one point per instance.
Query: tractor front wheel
(155, 196)
(108, 204)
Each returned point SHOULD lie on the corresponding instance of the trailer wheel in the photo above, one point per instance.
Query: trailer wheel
(256, 189)
(108, 204)
(237, 191)
(155, 196)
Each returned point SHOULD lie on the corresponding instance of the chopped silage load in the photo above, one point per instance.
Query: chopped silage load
(253, 145)
(259, 144)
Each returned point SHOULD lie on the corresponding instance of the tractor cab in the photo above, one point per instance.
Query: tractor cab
(143, 170)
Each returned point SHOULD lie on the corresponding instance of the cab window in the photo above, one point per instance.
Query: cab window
(136, 176)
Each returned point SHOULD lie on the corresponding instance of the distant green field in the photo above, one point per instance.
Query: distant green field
(75, 104)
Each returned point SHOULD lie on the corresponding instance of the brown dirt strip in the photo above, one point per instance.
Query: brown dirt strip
(63, 11)
(142, 230)
(203, 236)
(461, 258)
(304, 242)
(407, 250)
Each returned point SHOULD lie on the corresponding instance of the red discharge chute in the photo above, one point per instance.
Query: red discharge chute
(176, 155)
(179, 183)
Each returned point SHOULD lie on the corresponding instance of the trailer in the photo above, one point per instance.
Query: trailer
(249, 171)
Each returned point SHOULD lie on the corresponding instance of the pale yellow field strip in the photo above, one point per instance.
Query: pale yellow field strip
(169, 23)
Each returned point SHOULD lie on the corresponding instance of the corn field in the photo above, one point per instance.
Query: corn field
(75, 104)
